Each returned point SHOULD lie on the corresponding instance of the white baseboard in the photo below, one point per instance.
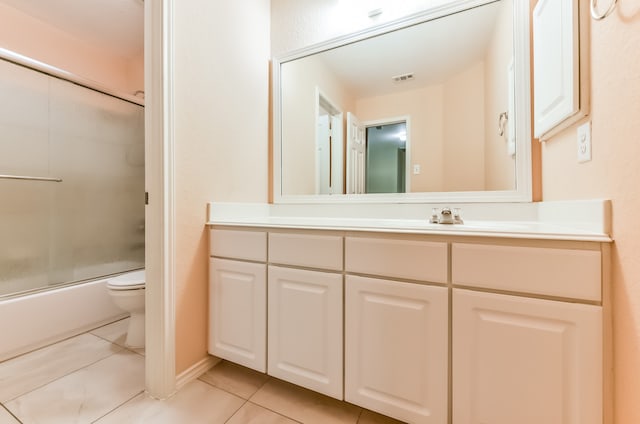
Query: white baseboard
(195, 371)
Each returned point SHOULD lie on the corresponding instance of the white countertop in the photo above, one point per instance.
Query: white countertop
(578, 220)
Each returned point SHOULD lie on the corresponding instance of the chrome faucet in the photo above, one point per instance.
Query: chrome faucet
(446, 216)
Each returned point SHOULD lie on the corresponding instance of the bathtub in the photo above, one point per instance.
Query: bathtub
(35, 320)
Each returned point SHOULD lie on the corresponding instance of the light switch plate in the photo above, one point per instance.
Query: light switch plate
(416, 169)
(584, 142)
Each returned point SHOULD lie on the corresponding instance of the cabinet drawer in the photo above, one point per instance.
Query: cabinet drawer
(411, 259)
(554, 272)
(314, 251)
(248, 245)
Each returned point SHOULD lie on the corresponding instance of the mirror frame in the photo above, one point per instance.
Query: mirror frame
(522, 81)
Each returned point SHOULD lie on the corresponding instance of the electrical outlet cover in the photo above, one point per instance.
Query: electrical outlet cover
(584, 142)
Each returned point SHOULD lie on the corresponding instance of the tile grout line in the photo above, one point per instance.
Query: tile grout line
(275, 412)
(10, 413)
(113, 341)
(248, 400)
(60, 341)
(269, 378)
(119, 406)
(48, 345)
(62, 376)
(118, 349)
(237, 410)
(107, 324)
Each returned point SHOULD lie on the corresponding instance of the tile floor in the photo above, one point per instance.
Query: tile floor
(94, 378)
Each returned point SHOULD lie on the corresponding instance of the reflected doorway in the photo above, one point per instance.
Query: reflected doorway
(386, 157)
(329, 147)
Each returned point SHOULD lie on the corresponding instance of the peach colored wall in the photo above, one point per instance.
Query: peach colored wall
(450, 155)
(300, 79)
(38, 40)
(463, 153)
(500, 172)
(221, 139)
(424, 107)
(613, 173)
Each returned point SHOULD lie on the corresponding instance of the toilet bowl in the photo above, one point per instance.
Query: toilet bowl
(127, 292)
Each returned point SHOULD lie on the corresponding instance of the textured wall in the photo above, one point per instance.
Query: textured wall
(221, 136)
(613, 173)
(463, 157)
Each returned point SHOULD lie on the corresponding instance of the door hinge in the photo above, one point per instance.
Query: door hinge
(146, 197)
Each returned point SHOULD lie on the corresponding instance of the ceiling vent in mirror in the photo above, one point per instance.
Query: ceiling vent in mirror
(403, 77)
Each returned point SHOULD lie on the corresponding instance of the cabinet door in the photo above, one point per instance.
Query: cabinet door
(305, 329)
(237, 312)
(525, 361)
(561, 62)
(396, 348)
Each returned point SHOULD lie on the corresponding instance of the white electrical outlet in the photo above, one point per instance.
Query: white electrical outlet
(416, 169)
(584, 142)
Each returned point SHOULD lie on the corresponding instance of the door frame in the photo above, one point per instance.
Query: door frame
(335, 113)
(390, 121)
(160, 218)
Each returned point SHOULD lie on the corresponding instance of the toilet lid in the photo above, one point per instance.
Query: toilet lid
(128, 281)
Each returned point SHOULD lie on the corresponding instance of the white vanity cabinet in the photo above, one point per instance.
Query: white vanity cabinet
(305, 328)
(397, 339)
(238, 297)
(305, 290)
(519, 358)
(427, 329)
(526, 361)
(396, 348)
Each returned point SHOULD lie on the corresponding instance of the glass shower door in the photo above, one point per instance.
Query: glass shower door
(25, 226)
(91, 223)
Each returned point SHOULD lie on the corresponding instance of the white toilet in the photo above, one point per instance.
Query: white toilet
(127, 292)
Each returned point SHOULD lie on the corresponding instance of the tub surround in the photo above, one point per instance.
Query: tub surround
(585, 220)
(374, 305)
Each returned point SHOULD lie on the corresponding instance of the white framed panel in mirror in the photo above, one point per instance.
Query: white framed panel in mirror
(459, 73)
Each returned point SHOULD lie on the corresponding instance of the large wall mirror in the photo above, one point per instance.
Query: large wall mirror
(432, 108)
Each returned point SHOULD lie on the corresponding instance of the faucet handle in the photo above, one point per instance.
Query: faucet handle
(457, 217)
(446, 216)
(434, 216)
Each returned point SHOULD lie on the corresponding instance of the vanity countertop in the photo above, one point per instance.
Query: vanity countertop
(574, 221)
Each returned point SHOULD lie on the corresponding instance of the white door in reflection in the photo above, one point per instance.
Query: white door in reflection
(329, 147)
(356, 151)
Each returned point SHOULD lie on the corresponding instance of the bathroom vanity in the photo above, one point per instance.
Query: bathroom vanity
(489, 321)
(362, 295)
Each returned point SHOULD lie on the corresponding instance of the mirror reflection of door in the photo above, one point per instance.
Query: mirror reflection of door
(329, 147)
(356, 152)
(386, 158)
